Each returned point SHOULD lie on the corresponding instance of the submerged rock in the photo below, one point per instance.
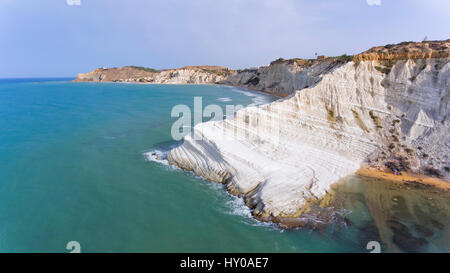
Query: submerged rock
(423, 230)
(404, 239)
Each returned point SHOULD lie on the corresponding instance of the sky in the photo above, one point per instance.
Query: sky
(59, 38)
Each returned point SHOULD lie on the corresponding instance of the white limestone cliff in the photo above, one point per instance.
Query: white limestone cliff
(283, 77)
(133, 74)
(282, 155)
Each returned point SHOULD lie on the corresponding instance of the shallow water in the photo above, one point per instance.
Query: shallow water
(409, 217)
(74, 167)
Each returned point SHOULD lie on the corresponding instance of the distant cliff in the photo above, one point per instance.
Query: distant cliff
(116, 74)
(184, 75)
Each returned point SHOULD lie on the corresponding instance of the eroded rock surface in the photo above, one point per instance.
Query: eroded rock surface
(282, 155)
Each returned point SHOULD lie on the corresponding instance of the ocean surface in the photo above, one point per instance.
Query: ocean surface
(75, 165)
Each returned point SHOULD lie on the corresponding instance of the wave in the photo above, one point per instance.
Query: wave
(234, 205)
(257, 98)
(224, 99)
(157, 156)
(317, 218)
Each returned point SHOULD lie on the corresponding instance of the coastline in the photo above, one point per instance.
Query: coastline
(363, 171)
(405, 178)
(315, 212)
(248, 89)
(241, 87)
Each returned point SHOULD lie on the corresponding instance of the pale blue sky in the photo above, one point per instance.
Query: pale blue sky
(41, 38)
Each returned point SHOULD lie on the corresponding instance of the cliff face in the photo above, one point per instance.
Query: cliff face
(285, 155)
(406, 51)
(192, 75)
(115, 74)
(185, 75)
(283, 77)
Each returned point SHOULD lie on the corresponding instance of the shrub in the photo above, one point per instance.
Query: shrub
(145, 68)
(345, 58)
(383, 70)
(375, 119)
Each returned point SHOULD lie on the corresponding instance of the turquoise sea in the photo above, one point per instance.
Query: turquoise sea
(74, 167)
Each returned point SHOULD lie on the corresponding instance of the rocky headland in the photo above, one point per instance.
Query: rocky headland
(185, 75)
(386, 109)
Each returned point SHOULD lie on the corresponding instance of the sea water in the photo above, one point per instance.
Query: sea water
(75, 166)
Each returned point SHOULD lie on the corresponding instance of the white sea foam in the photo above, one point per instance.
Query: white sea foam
(157, 156)
(224, 99)
(258, 98)
(238, 207)
(234, 204)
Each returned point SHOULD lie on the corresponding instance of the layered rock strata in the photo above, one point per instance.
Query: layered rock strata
(283, 155)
